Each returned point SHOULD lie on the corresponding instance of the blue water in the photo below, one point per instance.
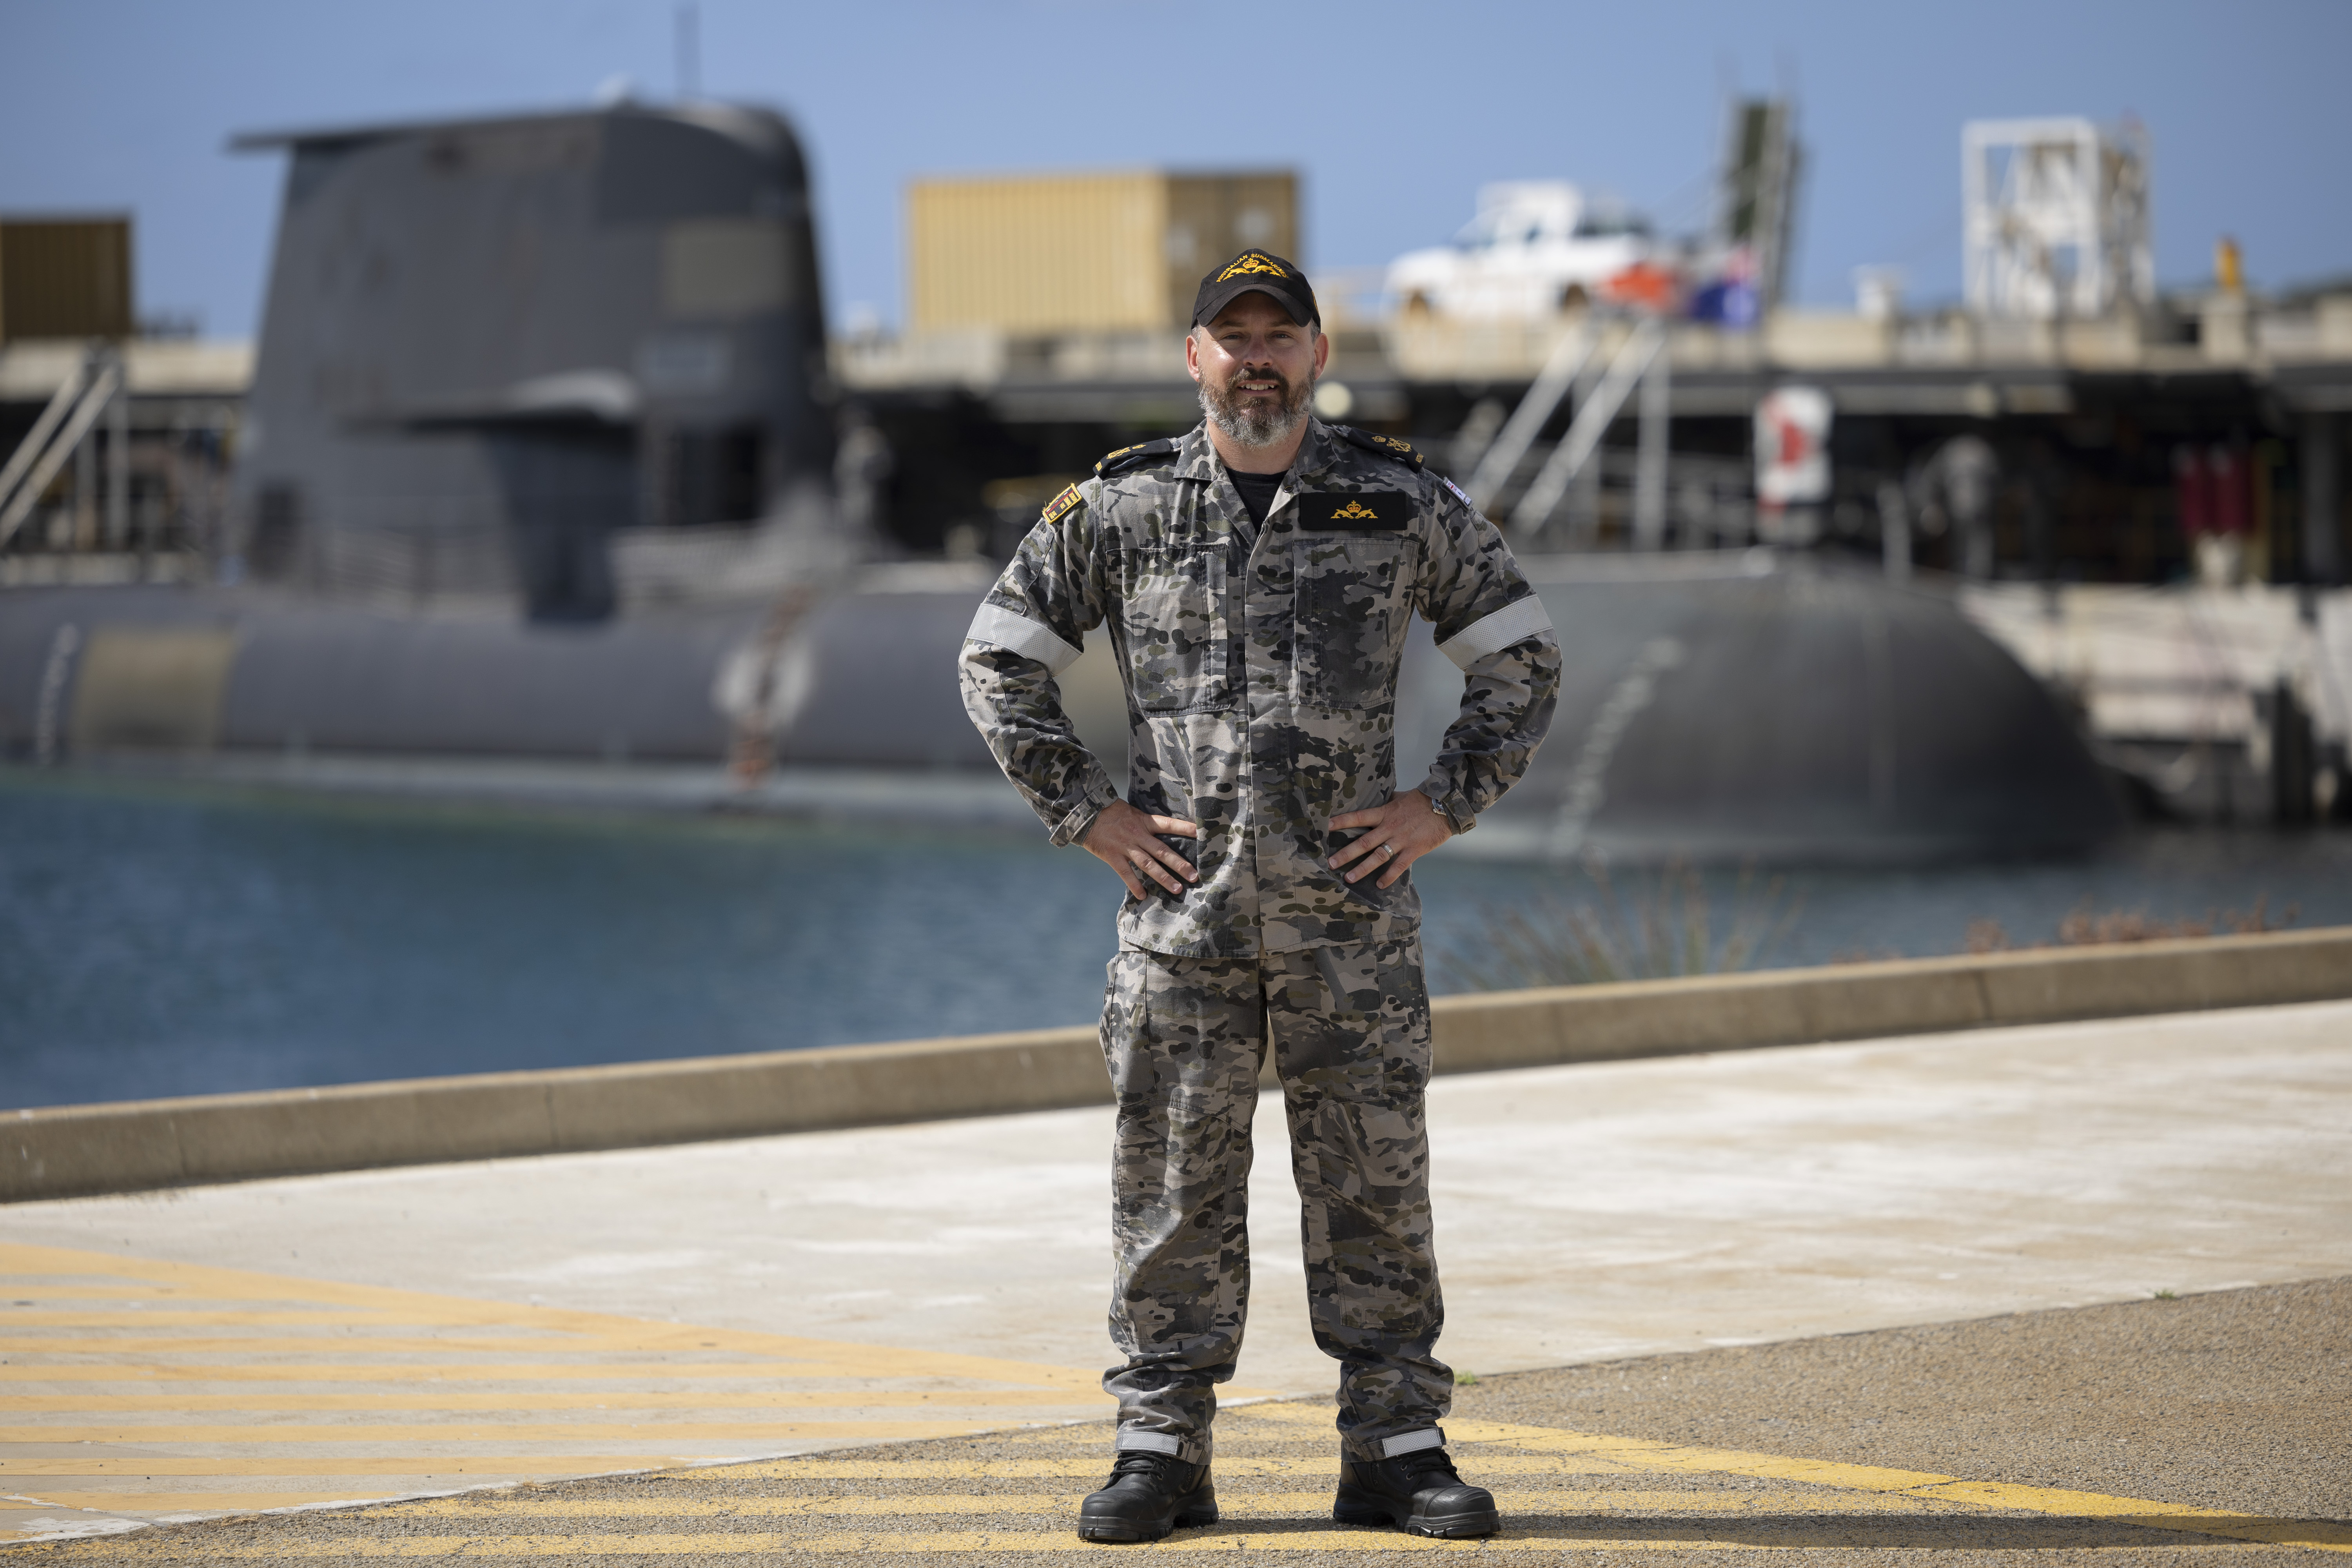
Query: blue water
(167, 940)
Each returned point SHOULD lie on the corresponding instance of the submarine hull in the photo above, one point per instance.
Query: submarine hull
(1714, 709)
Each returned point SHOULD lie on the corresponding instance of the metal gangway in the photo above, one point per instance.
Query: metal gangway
(96, 388)
(1640, 366)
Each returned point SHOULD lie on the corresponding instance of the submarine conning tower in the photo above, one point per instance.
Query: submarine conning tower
(491, 343)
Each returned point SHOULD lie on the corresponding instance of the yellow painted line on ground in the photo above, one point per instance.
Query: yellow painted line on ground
(521, 1466)
(1638, 1454)
(2320, 1534)
(1355, 1543)
(342, 1343)
(488, 1509)
(256, 1318)
(1247, 1505)
(198, 1502)
(378, 1303)
(273, 1332)
(409, 1371)
(1094, 1463)
(458, 1399)
(314, 1436)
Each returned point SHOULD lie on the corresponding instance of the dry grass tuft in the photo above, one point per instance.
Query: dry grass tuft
(1660, 929)
(2087, 928)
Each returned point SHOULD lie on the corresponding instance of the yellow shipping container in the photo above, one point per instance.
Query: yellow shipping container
(1115, 251)
(65, 278)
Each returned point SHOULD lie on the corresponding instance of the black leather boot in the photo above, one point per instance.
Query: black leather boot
(1147, 1495)
(1418, 1490)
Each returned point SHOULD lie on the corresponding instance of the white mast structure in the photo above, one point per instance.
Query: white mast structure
(2056, 217)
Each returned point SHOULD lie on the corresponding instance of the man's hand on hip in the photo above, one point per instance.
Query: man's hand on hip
(1127, 841)
(1401, 832)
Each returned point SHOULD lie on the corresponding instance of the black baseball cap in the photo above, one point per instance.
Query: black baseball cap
(1268, 274)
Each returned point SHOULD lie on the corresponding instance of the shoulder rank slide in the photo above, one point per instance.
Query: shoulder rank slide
(1061, 504)
(1387, 445)
(1134, 456)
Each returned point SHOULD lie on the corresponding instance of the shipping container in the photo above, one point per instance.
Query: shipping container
(1106, 252)
(65, 278)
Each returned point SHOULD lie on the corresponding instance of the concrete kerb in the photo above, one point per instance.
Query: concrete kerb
(78, 1151)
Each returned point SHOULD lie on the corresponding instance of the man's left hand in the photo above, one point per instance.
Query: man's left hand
(1402, 831)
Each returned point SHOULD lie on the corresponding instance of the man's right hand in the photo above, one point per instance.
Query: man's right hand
(1127, 841)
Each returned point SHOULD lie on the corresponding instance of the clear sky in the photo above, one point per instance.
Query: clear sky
(1394, 113)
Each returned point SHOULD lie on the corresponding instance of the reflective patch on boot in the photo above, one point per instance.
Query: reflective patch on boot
(1413, 1441)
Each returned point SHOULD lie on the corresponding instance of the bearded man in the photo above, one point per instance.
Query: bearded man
(1257, 578)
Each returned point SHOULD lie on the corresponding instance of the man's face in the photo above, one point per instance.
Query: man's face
(1256, 368)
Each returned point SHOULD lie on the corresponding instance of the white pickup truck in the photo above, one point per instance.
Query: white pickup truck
(1536, 247)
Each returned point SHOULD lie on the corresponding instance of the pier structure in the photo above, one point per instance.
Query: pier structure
(2084, 417)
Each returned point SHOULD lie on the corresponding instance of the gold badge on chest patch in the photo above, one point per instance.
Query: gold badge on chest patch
(1371, 511)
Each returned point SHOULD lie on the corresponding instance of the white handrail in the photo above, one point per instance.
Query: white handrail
(1511, 443)
(93, 404)
(1585, 431)
(30, 447)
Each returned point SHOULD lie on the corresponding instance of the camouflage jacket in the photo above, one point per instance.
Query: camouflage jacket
(1261, 682)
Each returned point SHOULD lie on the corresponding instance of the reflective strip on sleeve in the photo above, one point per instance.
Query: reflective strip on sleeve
(1515, 622)
(1001, 627)
(1151, 1441)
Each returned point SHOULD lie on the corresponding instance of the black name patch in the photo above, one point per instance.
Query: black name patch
(1373, 511)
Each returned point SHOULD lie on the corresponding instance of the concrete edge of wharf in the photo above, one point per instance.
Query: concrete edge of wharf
(144, 1145)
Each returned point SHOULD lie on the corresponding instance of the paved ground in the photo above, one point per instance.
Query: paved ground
(1984, 1442)
(392, 1333)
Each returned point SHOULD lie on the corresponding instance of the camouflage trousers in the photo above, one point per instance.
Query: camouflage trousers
(1185, 1039)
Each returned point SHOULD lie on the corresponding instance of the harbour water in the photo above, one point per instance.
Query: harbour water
(164, 941)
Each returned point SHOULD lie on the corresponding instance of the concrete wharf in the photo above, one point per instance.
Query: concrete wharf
(1729, 1253)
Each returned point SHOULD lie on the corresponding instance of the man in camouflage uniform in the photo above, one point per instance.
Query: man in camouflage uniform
(1257, 576)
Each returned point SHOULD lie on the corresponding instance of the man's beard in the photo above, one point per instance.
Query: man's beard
(1261, 423)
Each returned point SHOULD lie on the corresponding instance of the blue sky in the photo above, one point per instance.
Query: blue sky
(1394, 113)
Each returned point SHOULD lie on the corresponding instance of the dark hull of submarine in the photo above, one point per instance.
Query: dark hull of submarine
(1715, 708)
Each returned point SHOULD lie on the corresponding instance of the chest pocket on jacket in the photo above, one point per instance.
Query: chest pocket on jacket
(1351, 606)
(1174, 608)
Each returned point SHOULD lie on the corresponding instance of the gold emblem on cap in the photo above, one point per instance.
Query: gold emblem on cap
(1252, 262)
(1355, 509)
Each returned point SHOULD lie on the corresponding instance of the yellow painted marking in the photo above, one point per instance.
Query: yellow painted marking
(211, 1319)
(1638, 1455)
(13, 1292)
(414, 1371)
(1248, 1505)
(318, 1435)
(734, 1543)
(455, 1399)
(331, 1306)
(522, 1341)
(93, 1312)
(1095, 1464)
(2324, 1536)
(372, 1303)
(756, 1507)
(468, 1465)
(196, 1502)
